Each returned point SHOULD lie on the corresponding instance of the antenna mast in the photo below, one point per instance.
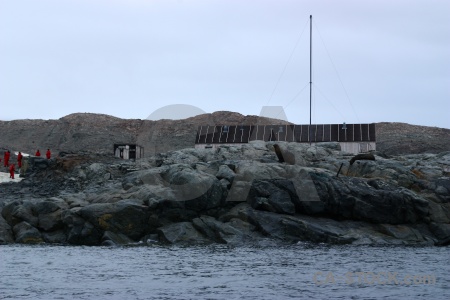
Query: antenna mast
(310, 75)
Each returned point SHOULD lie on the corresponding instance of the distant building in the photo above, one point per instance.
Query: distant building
(353, 138)
(128, 151)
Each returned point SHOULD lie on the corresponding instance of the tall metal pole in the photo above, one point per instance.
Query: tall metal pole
(310, 75)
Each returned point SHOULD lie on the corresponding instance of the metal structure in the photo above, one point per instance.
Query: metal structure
(354, 138)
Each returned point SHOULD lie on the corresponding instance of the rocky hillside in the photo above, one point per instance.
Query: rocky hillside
(401, 138)
(97, 133)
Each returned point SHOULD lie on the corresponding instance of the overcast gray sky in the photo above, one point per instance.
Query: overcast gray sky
(373, 61)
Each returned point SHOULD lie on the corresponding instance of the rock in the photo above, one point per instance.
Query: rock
(124, 216)
(110, 238)
(38, 162)
(27, 234)
(233, 194)
(439, 213)
(181, 233)
(218, 231)
(442, 232)
(18, 211)
(291, 153)
(278, 199)
(404, 233)
(359, 199)
(362, 156)
(225, 173)
(6, 236)
(294, 228)
(49, 214)
(55, 237)
(80, 232)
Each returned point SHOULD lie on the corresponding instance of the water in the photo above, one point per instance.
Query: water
(302, 271)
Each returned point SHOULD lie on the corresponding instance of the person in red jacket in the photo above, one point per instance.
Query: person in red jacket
(11, 171)
(6, 158)
(19, 160)
(38, 153)
(48, 154)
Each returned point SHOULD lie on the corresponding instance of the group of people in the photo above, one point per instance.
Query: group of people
(48, 154)
(12, 166)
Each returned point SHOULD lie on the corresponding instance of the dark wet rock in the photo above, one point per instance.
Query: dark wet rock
(18, 211)
(266, 195)
(219, 232)
(27, 234)
(110, 238)
(6, 235)
(39, 162)
(442, 232)
(80, 232)
(225, 173)
(124, 216)
(371, 201)
(181, 233)
(55, 237)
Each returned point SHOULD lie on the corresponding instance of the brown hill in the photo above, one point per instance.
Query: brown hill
(402, 138)
(97, 133)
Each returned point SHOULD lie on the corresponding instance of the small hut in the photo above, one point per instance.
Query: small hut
(128, 151)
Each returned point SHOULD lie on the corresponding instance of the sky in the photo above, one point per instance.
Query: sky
(372, 61)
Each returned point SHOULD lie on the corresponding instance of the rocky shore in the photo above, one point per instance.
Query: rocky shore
(236, 195)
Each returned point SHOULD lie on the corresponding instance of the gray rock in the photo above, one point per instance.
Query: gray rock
(368, 200)
(80, 232)
(181, 233)
(6, 236)
(225, 173)
(402, 232)
(218, 231)
(27, 234)
(278, 199)
(55, 237)
(38, 162)
(18, 211)
(110, 238)
(124, 216)
(442, 232)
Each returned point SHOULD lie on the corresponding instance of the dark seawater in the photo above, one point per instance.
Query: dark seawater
(301, 271)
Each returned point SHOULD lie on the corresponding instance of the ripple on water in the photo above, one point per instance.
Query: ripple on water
(217, 272)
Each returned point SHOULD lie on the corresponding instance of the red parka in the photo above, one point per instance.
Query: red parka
(11, 171)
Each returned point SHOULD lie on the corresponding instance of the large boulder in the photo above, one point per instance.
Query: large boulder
(442, 232)
(27, 234)
(126, 217)
(6, 235)
(271, 195)
(218, 231)
(177, 185)
(20, 211)
(181, 233)
(49, 214)
(373, 200)
(79, 231)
